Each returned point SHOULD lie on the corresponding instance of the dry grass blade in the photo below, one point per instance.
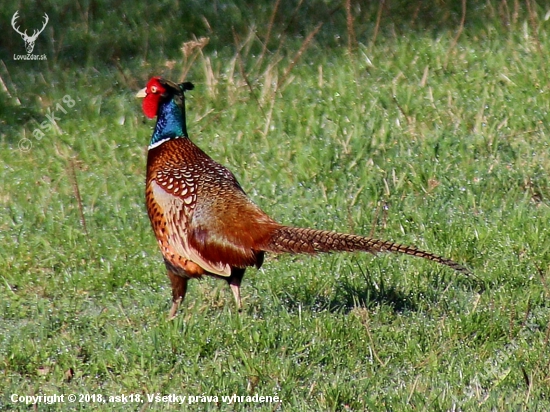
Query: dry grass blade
(268, 117)
(292, 17)
(352, 41)
(191, 50)
(12, 84)
(209, 75)
(301, 51)
(4, 87)
(243, 72)
(458, 34)
(378, 20)
(268, 34)
(76, 190)
(534, 27)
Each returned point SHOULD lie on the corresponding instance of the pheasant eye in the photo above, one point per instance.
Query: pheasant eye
(154, 89)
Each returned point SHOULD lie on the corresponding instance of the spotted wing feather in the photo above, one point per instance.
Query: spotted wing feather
(209, 219)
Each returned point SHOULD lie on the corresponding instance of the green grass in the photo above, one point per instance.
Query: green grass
(410, 139)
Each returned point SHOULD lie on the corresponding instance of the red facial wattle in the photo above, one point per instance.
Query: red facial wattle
(154, 91)
(150, 105)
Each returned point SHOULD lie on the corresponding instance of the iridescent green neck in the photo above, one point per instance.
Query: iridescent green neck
(170, 123)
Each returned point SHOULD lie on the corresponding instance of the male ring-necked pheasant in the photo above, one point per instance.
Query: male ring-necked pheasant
(204, 222)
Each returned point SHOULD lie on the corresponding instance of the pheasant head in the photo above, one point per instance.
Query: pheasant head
(165, 100)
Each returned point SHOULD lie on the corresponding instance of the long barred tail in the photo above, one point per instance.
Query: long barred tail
(300, 240)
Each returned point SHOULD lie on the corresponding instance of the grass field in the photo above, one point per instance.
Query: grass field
(428, 138)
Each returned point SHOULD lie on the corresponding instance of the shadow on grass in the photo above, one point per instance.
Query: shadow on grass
(347, 295)
(371, 291)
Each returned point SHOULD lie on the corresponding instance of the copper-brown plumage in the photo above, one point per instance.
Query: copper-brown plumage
(204, 222)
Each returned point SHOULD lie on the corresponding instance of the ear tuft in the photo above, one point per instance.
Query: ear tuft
(186, 86)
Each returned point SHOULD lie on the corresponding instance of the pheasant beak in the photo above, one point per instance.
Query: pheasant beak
(142, 93)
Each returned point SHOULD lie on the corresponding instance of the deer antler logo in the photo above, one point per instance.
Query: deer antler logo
(29, 40)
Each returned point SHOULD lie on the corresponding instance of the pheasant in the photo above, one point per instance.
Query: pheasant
(204, 222)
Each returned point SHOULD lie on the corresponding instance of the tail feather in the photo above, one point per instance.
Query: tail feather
(301, 240)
